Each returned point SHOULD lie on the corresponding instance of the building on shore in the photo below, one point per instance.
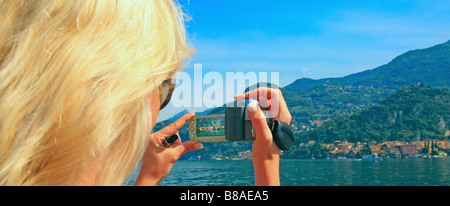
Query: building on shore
(402, 151)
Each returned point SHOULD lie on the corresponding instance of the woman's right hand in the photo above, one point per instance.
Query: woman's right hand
(265, 153)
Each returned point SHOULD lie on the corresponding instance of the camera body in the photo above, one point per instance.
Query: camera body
(235, 125)
(238, 126)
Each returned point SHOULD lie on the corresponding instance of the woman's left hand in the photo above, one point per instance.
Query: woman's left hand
(158, 160)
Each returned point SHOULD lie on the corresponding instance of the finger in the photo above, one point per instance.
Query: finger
(269, 107)
(175, 126)
(258, 93)
(259, 121)
(187, 146)
(266, 97)
(271, 100)
(284, 114)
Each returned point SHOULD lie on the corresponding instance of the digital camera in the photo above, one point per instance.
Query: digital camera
(235, 125)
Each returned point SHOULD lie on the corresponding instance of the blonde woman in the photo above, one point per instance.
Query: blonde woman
(81, 85)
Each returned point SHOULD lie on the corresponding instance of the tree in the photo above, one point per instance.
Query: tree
(385, 148)
(366, 150)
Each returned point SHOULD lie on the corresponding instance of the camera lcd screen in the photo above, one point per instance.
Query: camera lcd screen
(208, 127)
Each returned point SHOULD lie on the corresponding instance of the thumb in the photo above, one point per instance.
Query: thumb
(259, 122)
(187, 146)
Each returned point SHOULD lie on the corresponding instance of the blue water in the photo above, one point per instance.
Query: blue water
(333, 172)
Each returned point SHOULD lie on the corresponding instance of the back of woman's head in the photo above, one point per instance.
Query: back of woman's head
(74, 82)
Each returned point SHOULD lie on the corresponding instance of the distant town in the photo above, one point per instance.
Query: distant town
(377, 151)
(372, 151)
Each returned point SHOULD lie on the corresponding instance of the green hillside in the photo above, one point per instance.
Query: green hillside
(429, 66)
(410, 113)
(312, 102)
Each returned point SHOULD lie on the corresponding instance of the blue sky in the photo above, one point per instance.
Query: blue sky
(312, 39)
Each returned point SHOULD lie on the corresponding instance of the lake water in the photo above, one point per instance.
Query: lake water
(333, 172)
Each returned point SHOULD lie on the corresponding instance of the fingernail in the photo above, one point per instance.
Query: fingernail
(239, 97)
(252, 105)
(198, 146)
(191, 114)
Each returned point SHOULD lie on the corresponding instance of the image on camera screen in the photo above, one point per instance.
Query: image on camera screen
(207, 127)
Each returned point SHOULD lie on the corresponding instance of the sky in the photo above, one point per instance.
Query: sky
(308, 39)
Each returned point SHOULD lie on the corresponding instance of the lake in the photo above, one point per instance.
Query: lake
(332, 172)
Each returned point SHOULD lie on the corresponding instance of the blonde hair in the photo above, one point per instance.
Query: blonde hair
(74, 83)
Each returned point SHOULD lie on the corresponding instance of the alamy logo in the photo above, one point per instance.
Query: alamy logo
(213, 90)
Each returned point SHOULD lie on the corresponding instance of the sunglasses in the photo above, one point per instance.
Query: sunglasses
(165, 92)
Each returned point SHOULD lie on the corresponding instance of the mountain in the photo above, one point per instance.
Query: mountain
(413, 112)
(313, 102)
(429, 66)
(318, 104)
